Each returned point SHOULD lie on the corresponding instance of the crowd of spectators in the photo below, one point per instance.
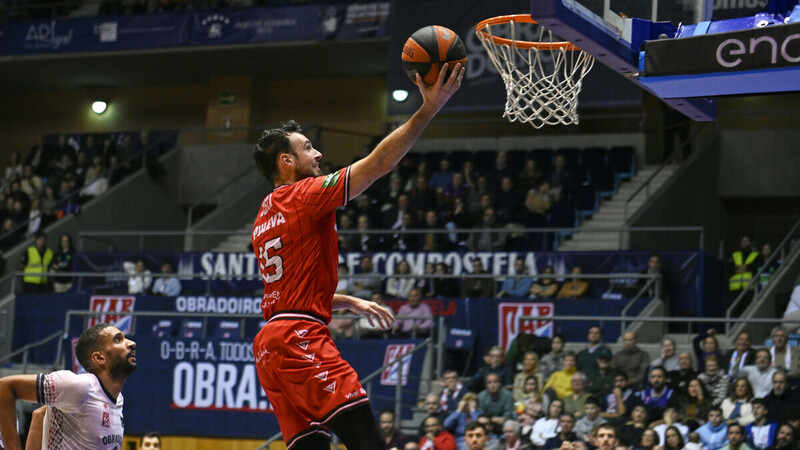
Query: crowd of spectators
(740, 399)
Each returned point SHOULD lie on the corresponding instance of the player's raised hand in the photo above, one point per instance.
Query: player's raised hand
(435, 96)
(376, 314)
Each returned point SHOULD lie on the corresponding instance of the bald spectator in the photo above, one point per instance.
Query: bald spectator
(435, 437)
(781, 398)
(433, 410)
(631, 359)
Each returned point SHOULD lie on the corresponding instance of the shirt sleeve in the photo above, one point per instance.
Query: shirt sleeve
(62, 389)
(320, 195)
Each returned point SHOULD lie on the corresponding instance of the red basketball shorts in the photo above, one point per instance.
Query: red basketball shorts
(305, 378)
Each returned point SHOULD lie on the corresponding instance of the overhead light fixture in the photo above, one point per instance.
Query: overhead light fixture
(99, 107)
(400, 95)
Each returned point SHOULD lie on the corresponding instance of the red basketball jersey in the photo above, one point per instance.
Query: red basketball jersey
(296, 244)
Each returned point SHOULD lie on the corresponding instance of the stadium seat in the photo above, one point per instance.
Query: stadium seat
(194, 329)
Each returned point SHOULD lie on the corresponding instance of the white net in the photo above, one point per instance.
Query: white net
(542, 79)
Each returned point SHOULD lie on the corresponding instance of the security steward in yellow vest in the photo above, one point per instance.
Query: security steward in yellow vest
(744, 262)
(35, 262)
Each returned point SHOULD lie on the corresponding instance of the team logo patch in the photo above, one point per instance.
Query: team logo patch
(331, 180)
(322, 375)
(510, 326)
(106, 420)
(331, 387)
(114, 308)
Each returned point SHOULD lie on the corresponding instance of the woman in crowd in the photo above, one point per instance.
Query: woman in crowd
(62, 262)
(530, 367)
(695, 404)
(399, 286)
(467, 411)
(531, 406)
(737, 408)
(672, 440)
(547, 426)
(649, 441)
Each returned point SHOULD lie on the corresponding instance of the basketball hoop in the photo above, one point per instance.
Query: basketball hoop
(542, 79)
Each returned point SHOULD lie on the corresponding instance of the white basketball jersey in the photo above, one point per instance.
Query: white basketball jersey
(81, 415)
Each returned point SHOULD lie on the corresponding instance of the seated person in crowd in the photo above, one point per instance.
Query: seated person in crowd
(586, 359)
(530, 367)
(761, 433)
(466, 411)
(658, 395)
(453, 391)
(741, 355)
(759, 375)
(574, 402)
(140, 277)
(631, 432)
(367, 283)
(621, 401)
(737, 408)
(547, 426)
(392, 436)
(631, 359)
(545, 286)
(565, 434)
(399, 285)
(669, 419)
(478, 286)
(668, 359)
(786, 439)
(694, 402)
(781, 398)
(783, 356)
(167, 284)
(714, 379)
(561, 381)
(407, 325)
(496, 402)
(512, 438)
(602, 382)
(736, 438)
(714, 432)
(519, 285)
(433, 410)
(553, 360)
(706, 344)
(493, 359)
(591, 418)
(679, 379)
(435, 434)
(574, 287)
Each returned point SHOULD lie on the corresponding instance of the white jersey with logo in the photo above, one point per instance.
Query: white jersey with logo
(81, 415)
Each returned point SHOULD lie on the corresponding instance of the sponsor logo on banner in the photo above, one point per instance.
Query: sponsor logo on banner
(214, 25)
(510, 326)
(107, 31)
(393, 351)
(114, 306)
(45, 35)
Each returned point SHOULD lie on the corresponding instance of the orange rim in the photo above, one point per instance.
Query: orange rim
(521, 18)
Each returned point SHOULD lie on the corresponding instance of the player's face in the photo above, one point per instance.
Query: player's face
(119, 351)
(150, 443)
(306, 158)
(476, 439)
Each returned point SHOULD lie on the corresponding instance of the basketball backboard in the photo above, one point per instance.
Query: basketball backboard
(686, 51)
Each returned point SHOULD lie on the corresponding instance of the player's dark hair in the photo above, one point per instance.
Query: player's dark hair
(88, 343)
(271, 144)
(474, 425)
(151, 434)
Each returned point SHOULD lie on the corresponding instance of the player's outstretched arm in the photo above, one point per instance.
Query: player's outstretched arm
(13, 388)
(392, 148)
(34, 440)
(375, 313)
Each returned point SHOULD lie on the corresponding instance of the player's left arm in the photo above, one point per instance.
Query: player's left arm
(34, 440)
(375, 313)
(13, 388)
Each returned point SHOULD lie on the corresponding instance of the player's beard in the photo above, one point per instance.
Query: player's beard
(123, 368)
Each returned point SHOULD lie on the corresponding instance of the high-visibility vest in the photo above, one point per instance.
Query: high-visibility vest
(36, 267)
(739, 281)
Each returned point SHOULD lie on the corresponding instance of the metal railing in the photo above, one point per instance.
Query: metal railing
(25, 350)
(234, 181)
(754, 287)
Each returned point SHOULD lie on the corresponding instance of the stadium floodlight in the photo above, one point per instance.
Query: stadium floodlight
(99, 106)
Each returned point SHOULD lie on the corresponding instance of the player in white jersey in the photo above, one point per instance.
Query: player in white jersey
(84, 412)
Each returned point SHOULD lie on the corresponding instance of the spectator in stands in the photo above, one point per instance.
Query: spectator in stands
(368, 282)
(425, 283)
(415, 318)
(347, 241)
(621, 401)
(343, 285)
(35, 262)
(679, 379)
(602, 382)
(402, 240)
(786, 438)
(496, 402)
(566, 423)
(465, 412)
(561, 380)
(742, 264)
(444, 286)
(694, 403)
(392, 212)
(648, 441)
(631, 359)
(657, 396)
(433, 240)
(140, 277)
(631, 432)
(604, 437)
(457, 189)
(500, 170)
(759, 375)
(590, 419)
(434, 433)
(553, 360)
(530, 177)
(443, 176)
(38, 156)
(421, 197)
(479, 438)
(560, 178)
(364, 240)
(400, 285)
(14, 165)
(35, 218)
(655, 268)
(453, 391)
(782, 354)
(487, 240)
(459, 218)
(62, 262)
(548, 426)
(493, 359)
(574, 287)
(741, 355)
(537, 205)
(545, 285)
(715, 380)
(761, 433)
(668, 359)
(30, 182)
(167, 285)
(714, 432)
(767, 267)
(736, 438)
(669, 419)
(508, 201)
(673, 439)
(574, 402)
(512, 438)
(530, 368)
(479, 285)
(519, 285)
(373, 330)
(587, 358)
(532, 404)
(781, 398)
(432, 410)
(479, 197)
(9, 236)
(395, 440)
(737, 408)
(341, 327)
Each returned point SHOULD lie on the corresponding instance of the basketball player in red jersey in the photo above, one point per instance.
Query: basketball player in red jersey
(312, 390)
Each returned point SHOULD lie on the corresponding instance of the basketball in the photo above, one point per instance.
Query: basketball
(430, 47)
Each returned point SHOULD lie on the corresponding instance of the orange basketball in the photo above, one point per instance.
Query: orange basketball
(430, 47)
